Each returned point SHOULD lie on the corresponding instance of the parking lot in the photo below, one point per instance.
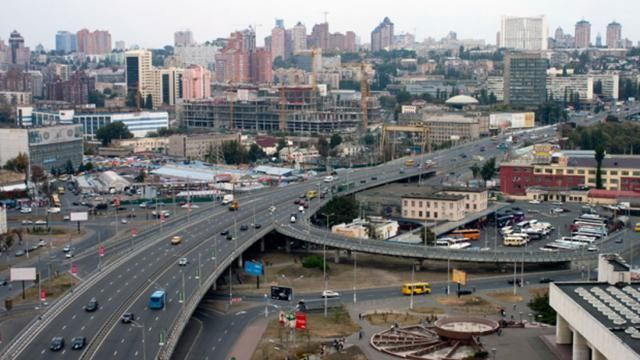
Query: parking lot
(560, 216)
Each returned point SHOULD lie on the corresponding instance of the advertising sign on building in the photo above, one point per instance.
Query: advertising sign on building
(409, 109)
(512, 120)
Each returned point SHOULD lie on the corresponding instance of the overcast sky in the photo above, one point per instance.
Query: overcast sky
(152, 23)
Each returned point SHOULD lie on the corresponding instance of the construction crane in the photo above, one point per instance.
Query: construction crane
(283, 113)
(419, 129)
(364, 97)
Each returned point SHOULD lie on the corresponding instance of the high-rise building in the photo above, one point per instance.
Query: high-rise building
(350, 41)
(525, 76)
(120, 45)
(524, 33)
(75, 90)
(260, 66)
(382, 36)
(278, 41)
(141, 77)
(559, 35)
(583, 34)
(97, 42)
(337, 41)
(18, 53)
(183, 38)
(232, 63)
(196, 83)
(66, 42)
(599, 40)
(299, 37)
(319, 37)
(171, 83)
(614, 35)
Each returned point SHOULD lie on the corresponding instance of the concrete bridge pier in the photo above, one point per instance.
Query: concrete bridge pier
(240, 261)
(418, 265)
(262, 245)
(337, 256)
(349, 253)
(287, 247)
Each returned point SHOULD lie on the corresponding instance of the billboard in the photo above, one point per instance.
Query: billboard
(54, 134)
(79, 216)
(281, 293)
(459, 277)
(253, 268)
(21, 274)
(512, 120)
(409, 109)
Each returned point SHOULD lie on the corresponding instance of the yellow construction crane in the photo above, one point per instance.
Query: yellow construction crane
(419, 129)
(364, 97)
(283, 113)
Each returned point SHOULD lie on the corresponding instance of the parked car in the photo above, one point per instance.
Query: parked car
(545, 280)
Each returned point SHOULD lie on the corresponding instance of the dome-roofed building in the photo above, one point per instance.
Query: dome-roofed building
(461, 100)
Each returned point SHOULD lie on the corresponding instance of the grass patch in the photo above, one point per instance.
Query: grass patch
(469, 305)
(53, 289)
(274, 344)
(389, 318)
(506, 296)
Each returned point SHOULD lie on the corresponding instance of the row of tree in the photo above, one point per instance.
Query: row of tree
(615, 137)
(487, 171)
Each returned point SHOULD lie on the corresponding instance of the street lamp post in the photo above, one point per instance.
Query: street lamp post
(324, 260)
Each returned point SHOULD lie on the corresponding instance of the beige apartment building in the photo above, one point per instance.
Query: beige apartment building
(455, 127)
(451, 204)
(196, 147)
(137, 145)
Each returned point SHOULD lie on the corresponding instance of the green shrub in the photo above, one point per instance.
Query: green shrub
(313, 262)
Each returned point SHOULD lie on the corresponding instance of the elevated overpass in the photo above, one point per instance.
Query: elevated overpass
(126, 280)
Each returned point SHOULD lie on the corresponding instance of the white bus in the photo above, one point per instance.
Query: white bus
(514, 241)
(458, 246)
(506, 230)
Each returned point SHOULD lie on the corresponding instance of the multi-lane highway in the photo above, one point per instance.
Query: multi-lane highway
(125, 283)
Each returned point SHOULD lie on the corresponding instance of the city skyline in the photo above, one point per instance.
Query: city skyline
(425, 20)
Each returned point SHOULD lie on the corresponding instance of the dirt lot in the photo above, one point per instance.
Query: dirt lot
(468, 305)
(374, 271)
(506, 296)
(393, 318)
(321, 330)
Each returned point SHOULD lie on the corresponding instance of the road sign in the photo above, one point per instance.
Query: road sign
(43, 295)
(236, 300)
(74, 268)
(253, 268)
(301, 320)
(162, 216)
(134, 232)
(459, 277)
(281, 293)
(101, 251)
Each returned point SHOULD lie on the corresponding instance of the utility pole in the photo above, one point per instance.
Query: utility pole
(413, 268)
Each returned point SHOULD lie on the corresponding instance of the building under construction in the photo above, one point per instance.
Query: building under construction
(294, 109)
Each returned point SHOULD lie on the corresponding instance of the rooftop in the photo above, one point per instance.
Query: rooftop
(437, 196)
(461, 100)
(614, 307)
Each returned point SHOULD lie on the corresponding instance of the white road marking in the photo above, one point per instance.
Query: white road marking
(64, 327)
(82, 328)
(43, 350)
(110, 299)
(122, 341)
(115, 353)
(136, 354)
(219, 339)
(157, 317)
(73, 317)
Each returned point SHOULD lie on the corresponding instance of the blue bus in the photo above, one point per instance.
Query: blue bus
(157, 299)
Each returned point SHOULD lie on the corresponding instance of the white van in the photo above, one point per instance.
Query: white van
(293, 219)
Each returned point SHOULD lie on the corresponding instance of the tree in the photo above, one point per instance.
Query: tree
(18, 164)
(335, 140)
(115, 130)
(282, 143)
(475, 170)
(403, 97)
(148, 104)
(542, 309)
(427, 236)
(97, 98)
(163, 131)
(69, 167)
(132, 98)
(369, 139)
(323, 146)
(37, 174)
(599, 157)
(343, 208)
(256, 153)
(6, 113)
(488, 170)
(233, 152)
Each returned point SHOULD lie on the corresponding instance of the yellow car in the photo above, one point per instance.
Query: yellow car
(176, 240)
(637, 227)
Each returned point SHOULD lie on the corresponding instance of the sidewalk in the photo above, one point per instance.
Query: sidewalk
(248, 341)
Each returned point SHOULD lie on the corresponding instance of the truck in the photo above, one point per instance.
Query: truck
(234, 205)
(157, 300)
(227, 199)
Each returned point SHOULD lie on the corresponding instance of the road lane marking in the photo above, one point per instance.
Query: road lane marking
(136, 354)
(122, 341)
(73, 317)
(219, 339)
(42, 352)
(82, 328)
(115, 353)
(157, 317)
(64, 327)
